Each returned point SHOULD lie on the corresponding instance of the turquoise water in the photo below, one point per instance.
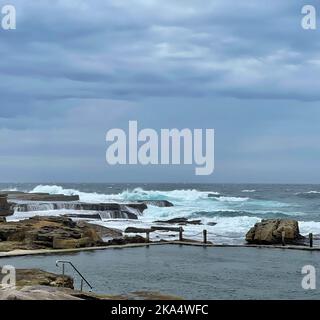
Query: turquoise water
(190, 272)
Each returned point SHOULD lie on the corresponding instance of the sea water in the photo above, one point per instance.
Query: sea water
(188, 272)
(234, 207)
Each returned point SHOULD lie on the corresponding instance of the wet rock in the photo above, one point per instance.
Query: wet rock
(5, 208)
(105, 210)
(41, 197)
(157, 203)
(270, 232)
(137, 230)
(127, 240)
(211, 223)
(180, 221)
(214, 195)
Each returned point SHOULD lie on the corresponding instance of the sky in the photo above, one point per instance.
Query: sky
(74, 69)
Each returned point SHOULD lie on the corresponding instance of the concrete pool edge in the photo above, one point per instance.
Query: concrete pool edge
(17, 253)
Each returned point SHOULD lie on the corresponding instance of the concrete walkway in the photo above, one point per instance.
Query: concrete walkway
(17, 253)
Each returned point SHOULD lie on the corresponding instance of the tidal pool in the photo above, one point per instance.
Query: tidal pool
(188, 272)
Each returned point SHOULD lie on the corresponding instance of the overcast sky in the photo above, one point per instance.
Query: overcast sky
(74, 69)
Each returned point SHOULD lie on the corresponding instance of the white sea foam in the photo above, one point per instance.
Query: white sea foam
(312, 191)
(307, 227)
(308, 192)
(249, 191)
(232, 199)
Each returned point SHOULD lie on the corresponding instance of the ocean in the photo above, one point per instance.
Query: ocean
(234, 207)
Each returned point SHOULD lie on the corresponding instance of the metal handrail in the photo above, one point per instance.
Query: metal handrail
(74, 268)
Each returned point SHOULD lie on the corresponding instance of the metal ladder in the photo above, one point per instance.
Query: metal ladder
(83, 279)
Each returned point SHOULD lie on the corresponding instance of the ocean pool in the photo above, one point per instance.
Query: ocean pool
(188, 272)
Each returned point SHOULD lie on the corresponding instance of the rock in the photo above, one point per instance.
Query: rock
(32, 277)
(23, 196)
(37, 293)
(214, 195)
(157, 203)
(103, 232)
(47, 232)
(72, 243)
(180, 221)
(211, 223)
(137, 230)
(106, 210)
(270, 232)
(5, 208)
(57, 293)
(127, 240)
(94, 216)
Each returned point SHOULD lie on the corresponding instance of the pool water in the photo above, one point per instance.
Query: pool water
(189, 272)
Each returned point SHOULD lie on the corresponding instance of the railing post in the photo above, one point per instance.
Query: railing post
(205, 236)
(283, 236)
(63, 275)
(181, 234)
(147, 236)
(81, 285)
(311, 240)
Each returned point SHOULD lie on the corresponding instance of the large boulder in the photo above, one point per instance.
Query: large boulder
(269, 231)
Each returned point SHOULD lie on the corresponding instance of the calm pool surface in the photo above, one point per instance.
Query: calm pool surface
(189, 272)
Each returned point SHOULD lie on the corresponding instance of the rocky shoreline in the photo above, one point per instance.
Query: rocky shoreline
(58, 233)
(11, 202)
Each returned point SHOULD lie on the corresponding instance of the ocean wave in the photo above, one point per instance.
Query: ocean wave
(309, 194)
(127, 195)
(233, 199)
(84, 196)
(248, 191)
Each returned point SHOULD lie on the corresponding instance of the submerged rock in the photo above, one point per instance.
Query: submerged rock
(270, 232)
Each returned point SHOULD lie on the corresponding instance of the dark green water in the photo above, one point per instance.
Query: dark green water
(190, 272)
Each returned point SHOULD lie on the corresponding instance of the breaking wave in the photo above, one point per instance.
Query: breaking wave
(309, 194)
